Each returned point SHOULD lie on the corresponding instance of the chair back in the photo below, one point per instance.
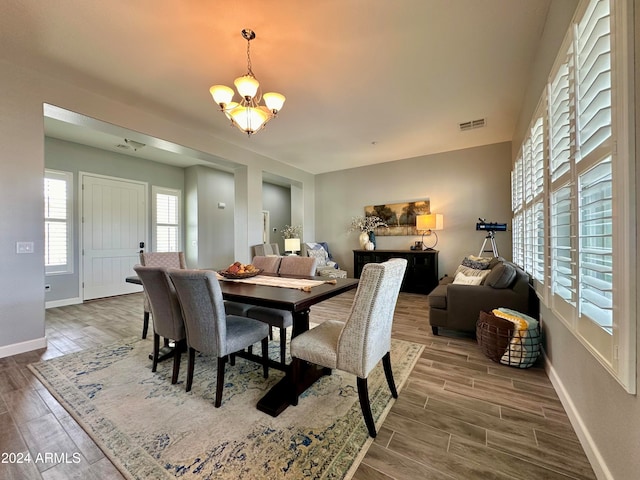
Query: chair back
(163, 259)
(267, 264)
(203, 310)
(265, 249)
(163, 302)
(366, 336)
(294, 265)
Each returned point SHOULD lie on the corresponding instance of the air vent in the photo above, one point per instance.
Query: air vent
(481, 122)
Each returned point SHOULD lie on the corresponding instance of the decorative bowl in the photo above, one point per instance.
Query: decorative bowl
(226, 274)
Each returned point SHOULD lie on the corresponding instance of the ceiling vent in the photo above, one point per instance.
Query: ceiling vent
(481, 122)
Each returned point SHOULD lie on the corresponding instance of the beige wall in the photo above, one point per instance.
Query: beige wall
(606, 418)
(462, 185)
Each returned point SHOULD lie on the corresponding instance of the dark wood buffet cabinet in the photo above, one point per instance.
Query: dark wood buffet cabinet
(422, 267)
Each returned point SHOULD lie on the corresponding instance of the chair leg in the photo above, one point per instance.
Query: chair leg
(434, 330)
(220, 381)
(232, 360)
(265, 357)
(283, 346)
(145, 324)
(363, 395)
(386, 363)
(296, 365)
(177, 353)
(192, 359)
(156, 349)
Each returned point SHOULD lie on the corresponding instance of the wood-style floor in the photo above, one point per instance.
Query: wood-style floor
(460, 415)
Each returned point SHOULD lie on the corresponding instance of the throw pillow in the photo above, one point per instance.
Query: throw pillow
(501, 276)
(320, 254)
(478, 263)
(472, 272)
(462, 279)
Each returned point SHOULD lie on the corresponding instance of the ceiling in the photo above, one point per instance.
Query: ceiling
(366, 81)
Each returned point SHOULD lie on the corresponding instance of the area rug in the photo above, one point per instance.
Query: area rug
(151, 429)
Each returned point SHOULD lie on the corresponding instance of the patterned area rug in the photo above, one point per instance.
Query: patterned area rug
(151, 429)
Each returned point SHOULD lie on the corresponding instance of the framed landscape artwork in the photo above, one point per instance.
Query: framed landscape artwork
(401, 217)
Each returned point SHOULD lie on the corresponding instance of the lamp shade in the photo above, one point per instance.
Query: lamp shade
(274, 101)
(249, 119)
(292, 244)
(221, 94)
(431, 221)
(247, 86)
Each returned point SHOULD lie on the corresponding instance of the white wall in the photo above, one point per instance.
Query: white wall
(606, 418)
(462, 185)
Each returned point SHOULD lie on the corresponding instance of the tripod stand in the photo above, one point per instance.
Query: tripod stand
(491, 235)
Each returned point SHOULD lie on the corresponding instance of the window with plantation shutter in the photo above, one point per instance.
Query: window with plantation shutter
(560, 121)
(594, 77)
(166, 206)
(596, 245)
(58, 254)
(562, 248)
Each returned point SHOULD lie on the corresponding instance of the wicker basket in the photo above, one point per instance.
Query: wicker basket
(495, 337)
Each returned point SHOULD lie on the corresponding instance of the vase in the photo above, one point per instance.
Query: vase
(372, 239)
(369, 245)
(363, 239)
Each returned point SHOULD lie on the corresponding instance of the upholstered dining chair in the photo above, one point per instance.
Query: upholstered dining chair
(158, 259)
(209, 329)
(357, 345)
(282, 319)
(167, 316)
(267, 265)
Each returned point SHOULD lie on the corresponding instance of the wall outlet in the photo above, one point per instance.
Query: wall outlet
(24, 247)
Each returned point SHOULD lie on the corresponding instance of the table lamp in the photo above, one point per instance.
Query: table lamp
(292, 245)
(428, 224)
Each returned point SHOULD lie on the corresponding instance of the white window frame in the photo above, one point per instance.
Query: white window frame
(68, 267)
(155, 191)
(614, 348)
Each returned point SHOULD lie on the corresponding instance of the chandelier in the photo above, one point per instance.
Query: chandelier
(247, 114)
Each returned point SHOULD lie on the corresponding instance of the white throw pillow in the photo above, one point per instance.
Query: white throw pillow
(462, 279)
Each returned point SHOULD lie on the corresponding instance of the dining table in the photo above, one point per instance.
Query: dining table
(298, 300)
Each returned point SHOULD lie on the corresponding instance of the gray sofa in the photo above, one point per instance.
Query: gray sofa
(457, 306)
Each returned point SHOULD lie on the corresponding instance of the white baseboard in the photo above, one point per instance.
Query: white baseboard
(63, 303)
(586, 440)
(22, 347)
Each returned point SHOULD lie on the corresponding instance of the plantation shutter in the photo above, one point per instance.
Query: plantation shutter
(167, 222)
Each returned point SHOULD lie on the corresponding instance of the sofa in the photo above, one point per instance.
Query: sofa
(456, 303)
(326, 267)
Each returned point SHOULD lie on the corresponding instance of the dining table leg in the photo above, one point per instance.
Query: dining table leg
(277, 399)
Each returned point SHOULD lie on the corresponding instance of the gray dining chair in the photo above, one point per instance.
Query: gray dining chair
(267, 265)
(209, 330)
(167, 316)
(358, 344)
(282, 319)
(158, 259)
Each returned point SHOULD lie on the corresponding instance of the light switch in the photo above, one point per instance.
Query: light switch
(221, 205)
(24, 247)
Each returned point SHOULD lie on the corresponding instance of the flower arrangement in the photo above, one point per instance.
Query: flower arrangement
(290, 231)
(366, 224)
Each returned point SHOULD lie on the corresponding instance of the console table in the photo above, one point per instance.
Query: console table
(422, 267)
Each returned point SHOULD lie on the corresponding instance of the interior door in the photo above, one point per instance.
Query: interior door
(114, 219)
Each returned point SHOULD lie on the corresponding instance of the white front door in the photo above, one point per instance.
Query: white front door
(114, 219)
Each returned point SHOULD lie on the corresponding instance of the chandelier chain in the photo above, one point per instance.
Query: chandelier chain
(249, 71)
